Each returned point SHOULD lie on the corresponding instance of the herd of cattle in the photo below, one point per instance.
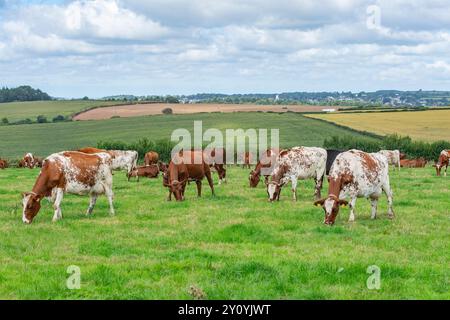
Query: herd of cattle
(351, 174)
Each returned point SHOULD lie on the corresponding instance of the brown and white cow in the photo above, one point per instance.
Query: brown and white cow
(263, 167)
(175, 179)
(29, 161)
(356, 174)
(294, 164)
(151, 157)
(70, 172)
(121, 159)
(393, 157)
(442, 162)
(150, 171)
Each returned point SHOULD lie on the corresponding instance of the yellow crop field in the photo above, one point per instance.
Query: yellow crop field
(429, 125)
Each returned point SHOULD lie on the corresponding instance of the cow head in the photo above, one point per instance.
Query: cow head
(331, 207)
(274, 190)
(254, 178)
(176, 187)
(31, 206)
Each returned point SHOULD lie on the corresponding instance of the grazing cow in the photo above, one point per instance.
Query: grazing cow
(217, 159)
(263, 167)
(297, 163)
(151, 157)
(442, 162)
(393, 157)
(413, 163)
(121, 159)
(331, 156)
(175, 178)
(183, 168)
(3, 164)
(70, 172)
(356, 174)
(29, 161)
(150, 171)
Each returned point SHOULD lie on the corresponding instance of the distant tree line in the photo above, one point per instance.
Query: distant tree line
(22, 93)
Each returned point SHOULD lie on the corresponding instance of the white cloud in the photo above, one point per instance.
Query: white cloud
(180, 46)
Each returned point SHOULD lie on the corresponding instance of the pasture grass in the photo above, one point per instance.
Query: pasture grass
(430, 125)
(44, 139)
(15, 111)
(233, 246)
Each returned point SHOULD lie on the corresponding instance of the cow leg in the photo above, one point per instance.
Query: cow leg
(169, 198)
(92, 202)
(294, 188)
(374, 204)
(210, 182)
(199, 187)
(110, 195)
(266, 180)
(318, 188)
(352, 209)
(57, 204)
(445, 172)
(387, 190)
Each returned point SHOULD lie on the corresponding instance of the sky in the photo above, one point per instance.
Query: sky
(143, 47)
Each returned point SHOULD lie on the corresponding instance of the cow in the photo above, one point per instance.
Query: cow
(217, 158)
(3, 164)
(393, 157)
(187, 166)
(121, 159)
(356, 174)
(150, 171)
(70, 172)
(297, 163)
(162, 166)
(151, 157)
(175, 178)
(29, 161)
(263, 167)
(413, 163)
(248, 158)
(331, 156)
(442, 162)
(21, 163)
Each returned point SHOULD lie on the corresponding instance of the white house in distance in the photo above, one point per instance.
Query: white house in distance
(329, 110)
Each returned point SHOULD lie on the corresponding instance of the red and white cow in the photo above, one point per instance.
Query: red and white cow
(356, 174)
(29, 161)
(70, 172)
(443, 161)
(393, 157)
(297, 163)
(121, 159)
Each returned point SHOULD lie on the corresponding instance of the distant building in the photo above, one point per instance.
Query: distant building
(329, 110)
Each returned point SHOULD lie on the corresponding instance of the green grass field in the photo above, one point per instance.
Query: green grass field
(233, 246)
(44, 139)
(15, 111)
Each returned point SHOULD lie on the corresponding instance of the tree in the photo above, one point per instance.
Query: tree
(22, 93)
(5, 120)
(167, 111)
(59, 118)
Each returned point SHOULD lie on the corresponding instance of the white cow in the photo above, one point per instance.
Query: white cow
(70, 172)
(356, 174)
(124, 160)
(294, 164)
(393, 157)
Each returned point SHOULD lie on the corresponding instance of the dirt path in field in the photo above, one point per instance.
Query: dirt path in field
(134, 110)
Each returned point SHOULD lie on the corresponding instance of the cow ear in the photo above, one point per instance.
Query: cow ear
(343, 203)
(319, 203)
